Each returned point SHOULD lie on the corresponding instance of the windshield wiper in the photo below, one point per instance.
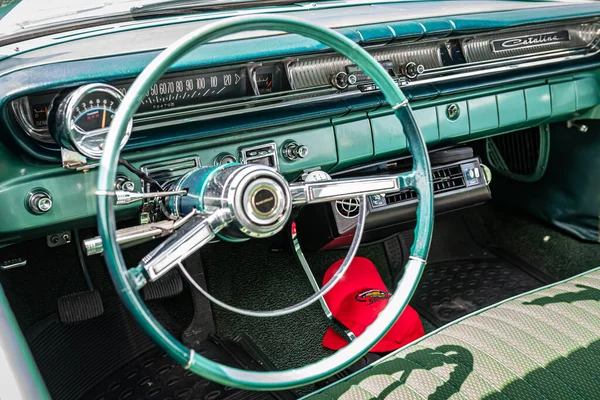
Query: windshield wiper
(176, 7)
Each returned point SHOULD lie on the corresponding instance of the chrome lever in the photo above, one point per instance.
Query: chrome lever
(125, 197)
(137, 234)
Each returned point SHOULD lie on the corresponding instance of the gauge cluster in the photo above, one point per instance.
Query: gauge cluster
(183, 90)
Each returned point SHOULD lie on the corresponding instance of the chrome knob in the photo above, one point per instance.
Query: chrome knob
(293, 151)
(124, 183)
(39, 202)
(340, 80)
(225, 158)
(411, 70)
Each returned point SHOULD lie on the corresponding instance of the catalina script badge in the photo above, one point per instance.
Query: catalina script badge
(520, 42)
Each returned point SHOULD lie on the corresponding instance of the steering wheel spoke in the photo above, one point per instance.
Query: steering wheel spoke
(193, 235)
(338, 189)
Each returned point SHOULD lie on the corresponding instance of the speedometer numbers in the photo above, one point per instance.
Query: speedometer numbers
(83, 117)
(190, 89)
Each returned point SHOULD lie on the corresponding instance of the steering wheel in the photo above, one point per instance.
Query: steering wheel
(257, 201)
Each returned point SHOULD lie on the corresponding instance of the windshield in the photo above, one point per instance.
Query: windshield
(19, 18)
(19, 15)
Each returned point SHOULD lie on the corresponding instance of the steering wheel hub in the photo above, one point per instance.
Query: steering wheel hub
(257, 196)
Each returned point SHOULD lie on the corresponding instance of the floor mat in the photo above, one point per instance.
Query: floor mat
(155, 375)
(466, 271)
(110, 357)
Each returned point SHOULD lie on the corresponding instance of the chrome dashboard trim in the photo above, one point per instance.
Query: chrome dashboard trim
(324, 92)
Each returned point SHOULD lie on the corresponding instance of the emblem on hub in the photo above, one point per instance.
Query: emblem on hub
(263, 201)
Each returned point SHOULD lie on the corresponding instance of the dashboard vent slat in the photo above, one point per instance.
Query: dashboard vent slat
(444, 180)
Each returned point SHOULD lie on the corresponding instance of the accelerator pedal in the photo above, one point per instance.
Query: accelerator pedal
(80, 306)
(202, 325)
(167, 286)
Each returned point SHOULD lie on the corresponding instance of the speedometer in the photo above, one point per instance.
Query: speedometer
(83, 117)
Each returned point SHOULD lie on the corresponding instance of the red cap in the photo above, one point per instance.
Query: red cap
(356, 300)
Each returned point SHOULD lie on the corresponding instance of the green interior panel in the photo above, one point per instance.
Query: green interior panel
(537, 101)
(453, 128)
(73, 195)
(483, 114)
(320, 142)
(428, 123)
(388, 137)
(563, 98)
(587, 93)
(567, 195)
(511, 108)
(353, 139)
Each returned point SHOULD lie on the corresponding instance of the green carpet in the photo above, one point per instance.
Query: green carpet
(274, 280)
(541, 245)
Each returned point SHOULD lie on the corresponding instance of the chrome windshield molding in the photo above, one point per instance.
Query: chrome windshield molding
(325, 191)
(193, 235)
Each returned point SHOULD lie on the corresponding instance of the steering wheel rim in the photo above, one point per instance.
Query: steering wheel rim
(126, 287)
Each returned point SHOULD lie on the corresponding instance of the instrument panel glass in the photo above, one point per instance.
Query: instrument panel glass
(192, 88)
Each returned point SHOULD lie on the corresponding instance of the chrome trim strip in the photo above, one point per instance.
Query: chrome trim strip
(418, 259)
(191, 360)
(400, 105)
(105, 193)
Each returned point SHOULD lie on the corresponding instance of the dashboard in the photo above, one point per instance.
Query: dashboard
(490, 68)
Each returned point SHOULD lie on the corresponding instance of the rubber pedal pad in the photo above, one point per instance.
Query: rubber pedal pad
(167, 286)
(80, 306)
(395, 256)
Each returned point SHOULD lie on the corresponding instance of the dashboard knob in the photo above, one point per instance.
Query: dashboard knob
(225, 158)
(340, 80)
(293, 151)
(39, 202)
(411, 70)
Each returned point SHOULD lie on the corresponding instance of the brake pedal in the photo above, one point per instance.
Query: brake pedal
(167, 286)
(80, 306)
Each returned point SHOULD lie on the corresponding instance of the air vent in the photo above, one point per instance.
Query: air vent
(521, 155)
(444, 180)
(168, 172)
(348, 208)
